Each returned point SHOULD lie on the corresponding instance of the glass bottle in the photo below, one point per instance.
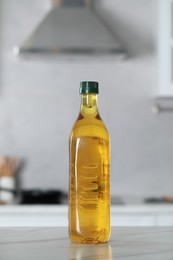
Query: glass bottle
(89, 180)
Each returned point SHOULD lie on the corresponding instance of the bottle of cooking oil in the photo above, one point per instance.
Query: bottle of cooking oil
(89, 184)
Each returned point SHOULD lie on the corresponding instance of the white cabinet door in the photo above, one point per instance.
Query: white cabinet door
(132, 220)
(166, 220)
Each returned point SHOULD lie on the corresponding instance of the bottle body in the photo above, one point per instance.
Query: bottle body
(89, 184)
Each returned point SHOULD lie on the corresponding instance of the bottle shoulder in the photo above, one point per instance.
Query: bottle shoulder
(89, 126)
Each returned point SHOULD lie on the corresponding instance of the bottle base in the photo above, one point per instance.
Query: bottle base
(88, 241)
(78, 239)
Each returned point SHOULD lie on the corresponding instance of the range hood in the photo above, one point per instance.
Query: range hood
(71, 27)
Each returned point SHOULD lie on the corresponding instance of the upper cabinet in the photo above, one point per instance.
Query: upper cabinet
(165, 47)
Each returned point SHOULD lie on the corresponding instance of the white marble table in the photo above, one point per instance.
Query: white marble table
(53, 244)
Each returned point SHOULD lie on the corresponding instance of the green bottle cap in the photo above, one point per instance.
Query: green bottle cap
(89, 87)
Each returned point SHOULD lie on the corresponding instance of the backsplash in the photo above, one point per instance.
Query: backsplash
(39, 103)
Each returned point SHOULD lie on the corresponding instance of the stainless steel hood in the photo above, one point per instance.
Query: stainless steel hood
(72, 27)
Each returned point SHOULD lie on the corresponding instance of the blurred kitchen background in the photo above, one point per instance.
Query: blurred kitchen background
(39, 100)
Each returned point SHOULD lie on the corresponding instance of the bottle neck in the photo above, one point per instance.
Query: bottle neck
(89, 105)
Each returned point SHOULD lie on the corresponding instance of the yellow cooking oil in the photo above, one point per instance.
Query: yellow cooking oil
(89, 177)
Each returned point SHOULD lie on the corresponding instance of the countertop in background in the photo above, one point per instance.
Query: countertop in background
(57, 216)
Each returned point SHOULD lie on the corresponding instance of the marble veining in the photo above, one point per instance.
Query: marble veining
(53, 243)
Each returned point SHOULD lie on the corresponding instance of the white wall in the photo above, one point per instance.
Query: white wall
(39, 101)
